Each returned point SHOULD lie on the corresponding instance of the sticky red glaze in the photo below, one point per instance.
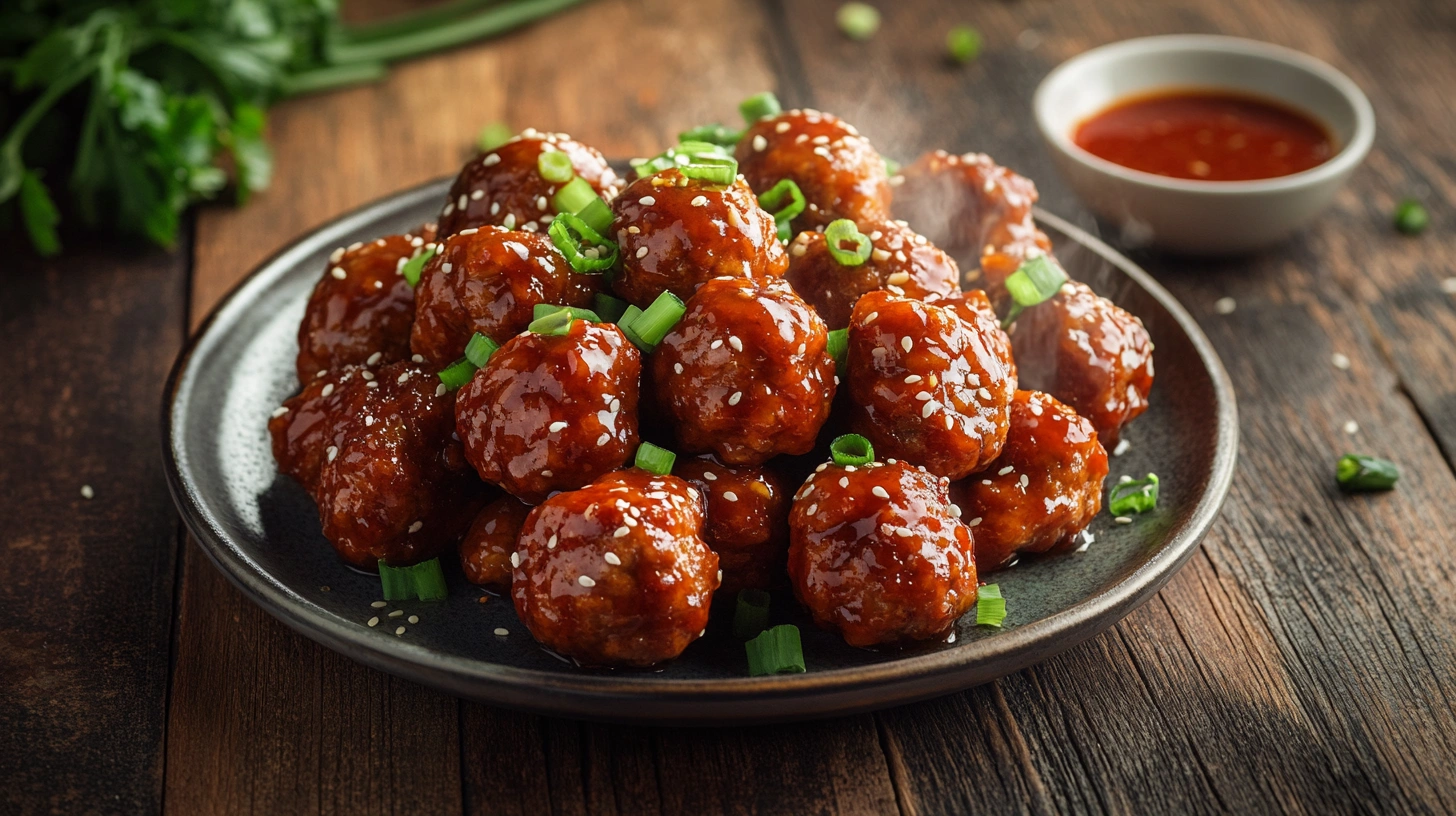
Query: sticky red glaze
(1206, 135)
(849, 182)
(975, 306)
(783, 376)
(902, 262)
(644, 609)
(366, 312)
(1057, 453)
(586, 378)
(942, 402)
(315, 418)
(1088, 353)
(504, 187)
(681, 244)
(970, 205)
(485, 552)
(490, 281)
(747, 520)
(880, 570)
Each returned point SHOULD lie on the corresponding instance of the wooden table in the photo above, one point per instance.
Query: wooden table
(1303, 661)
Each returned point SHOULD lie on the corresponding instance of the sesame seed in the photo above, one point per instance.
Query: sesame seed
(447, 266)
(677, 368)
(647, 201)
(781, 127)
(470, 231)
(621, 531)
(906, 343)
(603, 439)
(812, 508)
(1352, 427)
(509, 222)
(760, 143)
(954, 510)
(403, 377)
(1122, 520)
(1225, 305)
(374, 358)
(586, 581)
(615, 406)
(973, 522)
(1122, 447)
(327, 390)
(904, 532)
(737, 395)
(983, 393)
(477, 195)
(700, 201)
(332, 452)
(558, 426)
(898, 278)
(336, 255)
(716, 344)
(87, 492)
(730, 495)
(374, 621)
(501, 631)
(821, 467)
(642, 252)
(338, 273)
(880, 491)
(548, 474)
(1025, 480)
(415, 528)
(912, 379)
(923, 395)
(440, 390)
(930, 408)
(495, 208)
(449, 208)
(413, 619)
(844, 481)
(280, 411)
(801, 348)
(1005, 470)
(396, 613)
(1340, 361)
(551, 542)
(611, 558)
(1449, 286)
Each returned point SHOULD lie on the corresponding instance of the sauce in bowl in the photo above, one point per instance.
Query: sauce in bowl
(1206, 135)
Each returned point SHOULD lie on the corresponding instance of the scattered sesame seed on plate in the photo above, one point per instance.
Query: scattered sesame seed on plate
(413, 619)
(1340, 361)
(501, 631)
(1225, 305)
(1449, 286)
(374, 621)
(399, 630)
(1122, 519)
(396, 613)
(87, 492)
(379, 604)
(1352, 427)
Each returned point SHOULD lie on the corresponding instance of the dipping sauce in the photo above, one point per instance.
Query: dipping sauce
(1206, 135)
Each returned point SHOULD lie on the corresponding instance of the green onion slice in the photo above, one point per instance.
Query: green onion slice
(990, 606)
(892, 167)
(574, 196)
(684, 154)
(712, 134)
(425, 580)
(1136, 496)
(783, 211)
(1357, 473)
(555, 167)
(751, 615)
(597, 214)
(647, 329)
(553, 324)
(1410, 217)
(494, 135)
(479, 350)
(842, 231)
(838, 348)
(457, 373)
(582, 245)
(851, 449)
(963, 44)
(858, 21)
(760, 105)
(711, 169)
(611, 309)
(654, 459)
(1034, 282)
(415, 266)
(540, 310)
(776, 651)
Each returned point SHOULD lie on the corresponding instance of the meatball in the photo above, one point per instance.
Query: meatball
(504, 187)
(747, 520)
(927, 384)
(397, 488)
(552, 413)
(901, 262)
(362, 308)
(1044, 488)
(837, 169)
(877, 554)
(1088, 353)
(616, 573)
(676, 232)
(308, 423)
(489, 280)
(746, 373)
(485, 554)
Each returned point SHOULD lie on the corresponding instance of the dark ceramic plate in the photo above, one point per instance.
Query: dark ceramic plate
(262, 530)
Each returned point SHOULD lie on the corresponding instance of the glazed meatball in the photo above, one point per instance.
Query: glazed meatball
(397, 489)
(307, 424)
(1088, 353)
(837, 169)
(746, 373)
(974, 305)
(552, 413)
(362, 308)
(676, 232)
(485, 553)
(877, 554)
(901, 262)
(747, 520)
(927, 384)
(489, 280)
(616, 573)
(504, 186)
(1044, 488)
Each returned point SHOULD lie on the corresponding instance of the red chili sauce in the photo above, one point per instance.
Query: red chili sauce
(1207, 136)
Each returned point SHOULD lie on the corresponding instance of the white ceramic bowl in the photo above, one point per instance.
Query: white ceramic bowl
(1202, 217)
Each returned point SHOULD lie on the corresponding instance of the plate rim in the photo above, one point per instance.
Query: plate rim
(719, 700)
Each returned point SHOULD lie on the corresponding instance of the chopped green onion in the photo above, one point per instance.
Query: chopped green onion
(892, 167)
(569, 232)
(555, 324)
(611, 309)
(682, 154)
(758, 106)
(844, 230)
(494, 135)
(990, 606)
(711, 169)
(1357, 473)
(858, 21)
(1034, 282)
(479, 350)
(457, 373)
(425, 580)
(851, 449)
(555, 167)
(573, 197)
(597, 214)
(647, 329)
(1410, 217)
(963, 44)
(654, 459)
(540, 310)
(415, 266)
(838, 348)
(631, 314)
(776, 651)
(751, 615)
(1133, 496)
(783, 212)
(713, 134)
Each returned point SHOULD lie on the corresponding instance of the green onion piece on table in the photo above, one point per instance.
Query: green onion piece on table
(858, 21)
(1034, 282)
(1133, 496)
(990, 606)
(425, 580)
(713, 134)
(775, 651)
(457, 373)
(1410, 217)
(654, 459)
(540, 310)
(758, 106)
(711, 169)
(963, 44)
(773, 200)
(555, 167)
(585, 248)
(647, 329)
(415, 266)
(609, 308)
(844, 231)
(494, 135)
(838, 348)
(751, 615)
(1357, 473)
(555, 324)
(851, 449)
(479, 350)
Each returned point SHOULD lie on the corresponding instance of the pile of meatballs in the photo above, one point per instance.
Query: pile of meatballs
(989, 443)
